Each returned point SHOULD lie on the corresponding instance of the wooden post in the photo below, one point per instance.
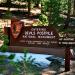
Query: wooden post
(67, 58)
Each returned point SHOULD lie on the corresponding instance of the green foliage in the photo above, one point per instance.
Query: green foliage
(43, 21)
(11, 56)
(44, 6)
(36, 2)
(26, 66)
(7, 15)
(43, 18)
(5, 38)
(54, 12)
(51, 8)
(64, 5)
(4, 47)
(2, 57)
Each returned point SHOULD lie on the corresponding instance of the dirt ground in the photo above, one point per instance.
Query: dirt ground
(61, 71)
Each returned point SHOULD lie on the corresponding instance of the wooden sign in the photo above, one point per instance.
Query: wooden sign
(63, 41)
(35, 37)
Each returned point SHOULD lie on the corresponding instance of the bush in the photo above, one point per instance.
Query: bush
(27, 66)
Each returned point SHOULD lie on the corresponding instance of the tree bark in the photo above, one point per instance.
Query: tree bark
(29, 7)
(74, 8)
(67, 58)
(8, 4)
(68, 15)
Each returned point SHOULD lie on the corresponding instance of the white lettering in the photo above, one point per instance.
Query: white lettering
(29, 33)
(45, 33)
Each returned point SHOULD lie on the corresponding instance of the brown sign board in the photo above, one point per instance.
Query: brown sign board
(63, 41)
(39, 39)
(38, 36)
(35, 37)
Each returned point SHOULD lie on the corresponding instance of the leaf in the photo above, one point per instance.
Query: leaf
(11, 56)
(4, 48)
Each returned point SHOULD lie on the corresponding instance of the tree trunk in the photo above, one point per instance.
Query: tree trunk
(74, 8)
(49, 19)
(9, 4)
(29, 7)
(68, 15)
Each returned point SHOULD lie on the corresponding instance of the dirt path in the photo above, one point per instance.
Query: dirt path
(48, 71)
